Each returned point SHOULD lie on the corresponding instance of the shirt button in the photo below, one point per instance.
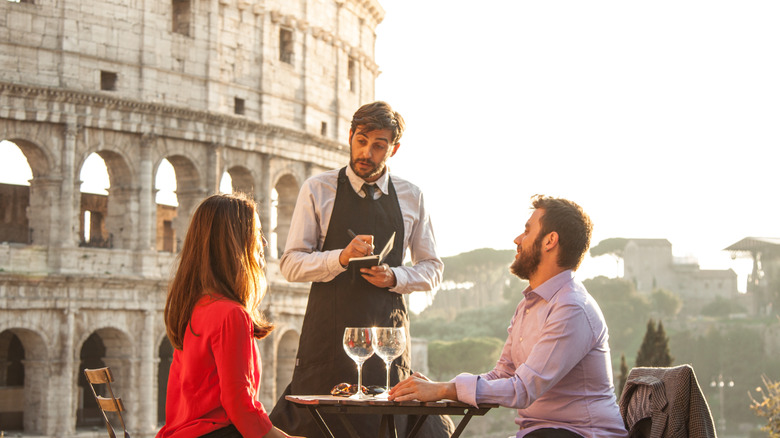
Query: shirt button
(521, 339)
(526, 311)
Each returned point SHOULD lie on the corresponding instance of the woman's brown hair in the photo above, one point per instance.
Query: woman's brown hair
(223, 254)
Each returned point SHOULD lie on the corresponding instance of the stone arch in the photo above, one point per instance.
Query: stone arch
(166, 209)
(189, 192)
(286, 352)
(15, 197)
(37, 156)
(112, 213)
(24, 206)
(282, 204)
(106, 346)
(23, 377)
(243, 180)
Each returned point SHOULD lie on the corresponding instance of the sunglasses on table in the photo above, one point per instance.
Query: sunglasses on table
(347, 389)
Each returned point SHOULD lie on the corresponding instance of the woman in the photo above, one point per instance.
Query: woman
(212, 318)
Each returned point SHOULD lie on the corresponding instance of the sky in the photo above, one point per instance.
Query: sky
(661, 119)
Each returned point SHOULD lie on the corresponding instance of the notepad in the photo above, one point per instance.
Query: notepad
(374, 259)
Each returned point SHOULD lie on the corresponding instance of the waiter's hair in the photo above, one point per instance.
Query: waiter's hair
(572, 224)
(379, 115)
(221, 255)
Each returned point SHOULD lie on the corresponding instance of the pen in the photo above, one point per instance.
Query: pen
(351, 233)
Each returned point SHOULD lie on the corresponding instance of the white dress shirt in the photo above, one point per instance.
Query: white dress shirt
(303, 259)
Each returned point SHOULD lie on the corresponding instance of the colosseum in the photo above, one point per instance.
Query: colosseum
(258, 93)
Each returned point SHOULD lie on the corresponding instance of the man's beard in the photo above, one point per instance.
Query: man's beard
(526, 265)
(375, 170)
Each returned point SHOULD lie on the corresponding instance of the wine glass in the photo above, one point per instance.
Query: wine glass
(358, 345)
(389, 343)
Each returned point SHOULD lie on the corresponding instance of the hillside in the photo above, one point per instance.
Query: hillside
(474, 279)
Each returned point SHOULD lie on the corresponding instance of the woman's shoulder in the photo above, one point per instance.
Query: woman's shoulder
(215, 303)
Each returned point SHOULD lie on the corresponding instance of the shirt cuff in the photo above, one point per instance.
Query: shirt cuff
(400, 281)
(333, 263)
(466, 385)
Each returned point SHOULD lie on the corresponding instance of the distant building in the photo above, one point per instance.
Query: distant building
(763, 285)
(650, 265)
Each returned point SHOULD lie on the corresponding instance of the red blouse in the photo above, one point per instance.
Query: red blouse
(215, 378)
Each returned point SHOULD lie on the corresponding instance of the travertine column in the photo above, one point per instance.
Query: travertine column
(263, 199)
(146, 206)
(69, 207)
(44, 194)
(188, 198)
(63, 402)
(147, 414)
(37, 387)
(122, 220)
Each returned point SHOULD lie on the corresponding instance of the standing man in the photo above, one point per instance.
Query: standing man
(341, 214)
(555, 368)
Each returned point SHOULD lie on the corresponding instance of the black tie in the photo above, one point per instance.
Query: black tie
(368, 189)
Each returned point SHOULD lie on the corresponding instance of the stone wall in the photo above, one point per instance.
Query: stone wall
(204, 84)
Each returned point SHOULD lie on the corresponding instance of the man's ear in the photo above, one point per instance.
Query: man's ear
(550, 240)
(395, 148)
(350, 137)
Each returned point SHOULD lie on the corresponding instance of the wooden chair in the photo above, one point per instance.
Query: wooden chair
(102, 376)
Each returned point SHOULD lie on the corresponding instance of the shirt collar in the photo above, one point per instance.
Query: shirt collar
(357, 182)
(549, 288)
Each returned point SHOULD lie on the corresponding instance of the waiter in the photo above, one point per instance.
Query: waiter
(341, 214)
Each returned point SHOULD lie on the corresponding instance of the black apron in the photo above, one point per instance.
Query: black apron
(347, 301)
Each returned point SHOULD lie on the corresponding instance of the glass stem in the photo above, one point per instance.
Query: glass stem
(387, 386)
(360, 378)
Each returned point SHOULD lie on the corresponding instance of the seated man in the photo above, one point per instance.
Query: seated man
(555, 368)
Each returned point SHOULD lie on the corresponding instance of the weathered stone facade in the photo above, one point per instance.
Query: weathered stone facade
(650, 265)
(263, 90)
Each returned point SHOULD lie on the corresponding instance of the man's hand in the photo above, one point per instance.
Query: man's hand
(419, 387)
(380, 276)
(361, 245)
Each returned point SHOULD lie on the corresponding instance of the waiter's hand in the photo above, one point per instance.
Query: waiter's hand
(419, 387)
(380, 276)
(361, 245)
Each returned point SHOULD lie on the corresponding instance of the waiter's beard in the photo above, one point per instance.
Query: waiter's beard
(375, 171)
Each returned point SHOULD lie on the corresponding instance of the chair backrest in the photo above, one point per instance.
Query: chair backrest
(103, 376)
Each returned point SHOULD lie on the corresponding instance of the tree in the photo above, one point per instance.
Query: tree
(661, 355)
(666, 303)
(473, 355)
(623, 307)
(613, 246)
(645, 353)
(654, 351)
(721, 307)
(769, 407)
(623, 375)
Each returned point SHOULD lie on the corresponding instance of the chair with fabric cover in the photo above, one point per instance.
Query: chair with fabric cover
(112, 403)
(665, 402)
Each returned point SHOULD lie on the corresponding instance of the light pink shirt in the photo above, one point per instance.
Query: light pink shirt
(555, 368)
(303, 259)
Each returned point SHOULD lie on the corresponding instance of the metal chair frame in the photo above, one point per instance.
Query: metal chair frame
(100, 376)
